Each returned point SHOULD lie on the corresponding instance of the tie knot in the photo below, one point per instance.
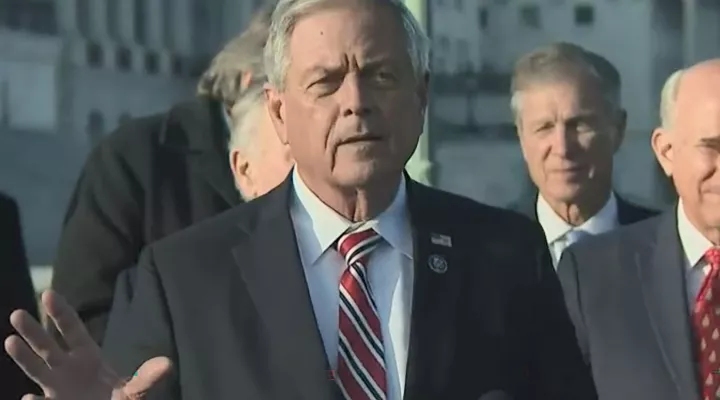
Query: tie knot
(356, 246)
(712, 256)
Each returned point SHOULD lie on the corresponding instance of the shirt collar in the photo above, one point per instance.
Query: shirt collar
(693, 242)
(321, 226)
(555, 227)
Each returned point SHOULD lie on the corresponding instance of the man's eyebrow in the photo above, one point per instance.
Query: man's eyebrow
(320, 70)
(710, 141)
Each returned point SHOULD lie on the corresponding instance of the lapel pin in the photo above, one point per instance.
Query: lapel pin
(441, 240)
(437, 264)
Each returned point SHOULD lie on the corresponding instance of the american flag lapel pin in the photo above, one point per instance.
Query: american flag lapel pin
(441, 240)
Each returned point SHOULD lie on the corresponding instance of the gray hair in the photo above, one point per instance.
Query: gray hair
(560, 61)
(244, 118)
(289, 12)
(242, 54)
(668, 96)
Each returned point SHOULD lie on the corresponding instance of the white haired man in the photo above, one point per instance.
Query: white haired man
(645, 297)
(350, 280)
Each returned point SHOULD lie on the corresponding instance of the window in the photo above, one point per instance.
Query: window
(152, 65)
(530, 16)
(112, 13)
(94, 55)
(168, 24)
(29, 15)
(95, 127)
(83, 17)
(483, 18)
(123, 58)
(584, 15)
(177, 65)
(462, 61)
(140, 22)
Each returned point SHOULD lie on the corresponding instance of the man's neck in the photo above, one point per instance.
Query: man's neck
(578, 211)
(355, 204)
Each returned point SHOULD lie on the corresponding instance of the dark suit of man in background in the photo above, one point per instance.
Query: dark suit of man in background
(349, 280)
(152, 177)
(644, 298)
(16, 291)
(566, 102)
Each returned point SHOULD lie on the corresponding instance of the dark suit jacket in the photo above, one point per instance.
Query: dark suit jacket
(227, 301)
(16, 292)
(152, 177)
(626, 294)
(628, 213)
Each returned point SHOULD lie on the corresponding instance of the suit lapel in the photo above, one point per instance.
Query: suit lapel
(199, 130)
(660, 266)
(435, 299)
(271, 267)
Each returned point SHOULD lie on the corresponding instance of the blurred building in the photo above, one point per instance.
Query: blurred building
(72, 70)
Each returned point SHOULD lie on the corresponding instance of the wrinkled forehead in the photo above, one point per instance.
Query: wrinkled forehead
(567, 96)
(347, 33)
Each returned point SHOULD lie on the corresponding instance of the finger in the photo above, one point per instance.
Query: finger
(32, 397)
(32, 365)
(38, 338)
(148, 375)
(66, 320)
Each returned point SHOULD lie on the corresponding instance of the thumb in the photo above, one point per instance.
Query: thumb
(149, 374)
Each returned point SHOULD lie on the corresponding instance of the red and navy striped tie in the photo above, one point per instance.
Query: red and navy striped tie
(361, 363)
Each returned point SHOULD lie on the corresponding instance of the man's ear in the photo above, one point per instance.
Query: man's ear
(662, 145)
(242, 176)
(275, 103)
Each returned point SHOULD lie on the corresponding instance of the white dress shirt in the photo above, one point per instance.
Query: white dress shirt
(560, 234)
(694, 245)
(390, 274)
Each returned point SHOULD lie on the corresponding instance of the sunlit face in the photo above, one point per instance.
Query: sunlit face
(689, 152)
(352, 110)
(568, 136)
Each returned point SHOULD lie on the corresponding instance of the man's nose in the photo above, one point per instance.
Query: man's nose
(355, 98)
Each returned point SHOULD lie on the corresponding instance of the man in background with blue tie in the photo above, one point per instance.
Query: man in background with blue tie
(349, 268)
(570, 122)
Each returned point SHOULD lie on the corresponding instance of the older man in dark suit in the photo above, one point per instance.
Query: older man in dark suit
(566, 102)
(645, 298)
(350, 280)
(16, 291)
(155, 176)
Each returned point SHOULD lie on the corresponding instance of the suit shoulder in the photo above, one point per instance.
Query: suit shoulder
(7, 202)
(218, 231)
(139, 131)
(462, 210)
(625, 236)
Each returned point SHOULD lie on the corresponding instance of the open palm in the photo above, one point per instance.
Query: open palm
(79, 373)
